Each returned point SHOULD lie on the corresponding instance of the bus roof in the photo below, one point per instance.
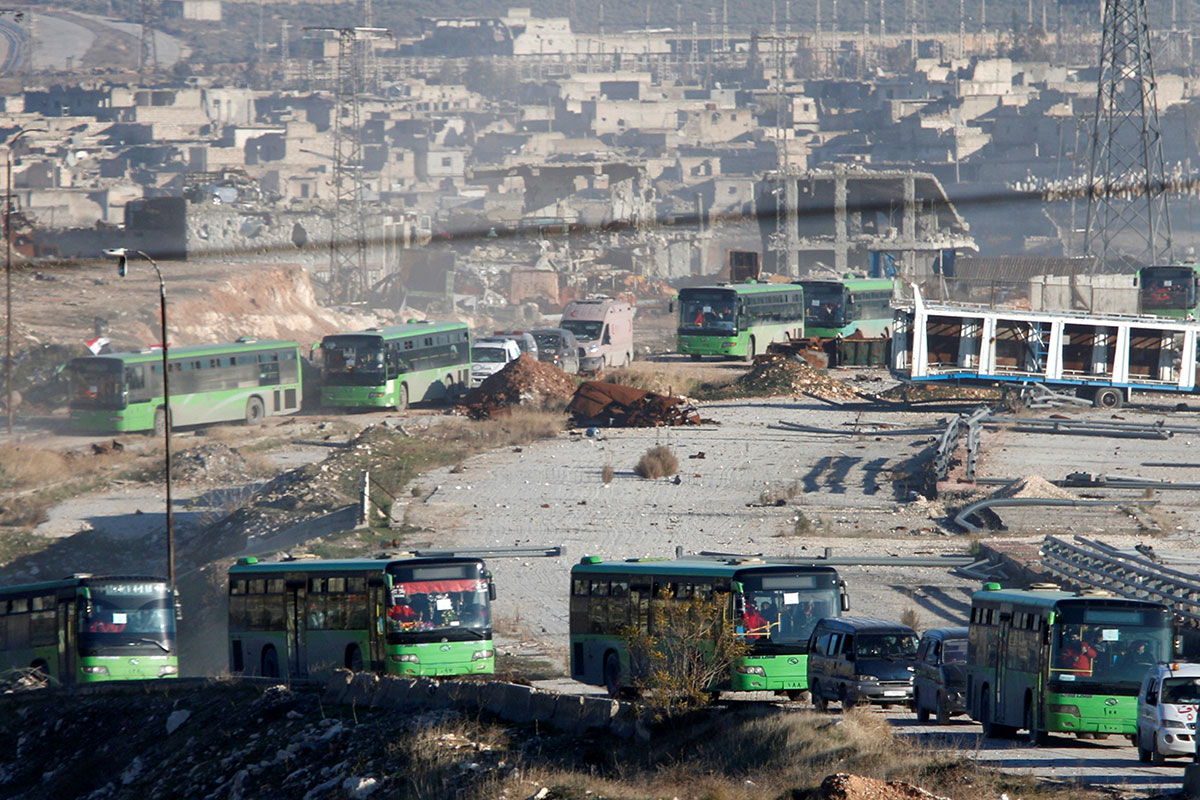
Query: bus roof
(340, 564)
(686, 567)
(406, 329)
(743, 288)
(1048, 598)
(194, 350)
(76, 580)
(851, 284)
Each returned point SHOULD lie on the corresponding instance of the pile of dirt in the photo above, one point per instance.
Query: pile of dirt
(210, 463)
(916, 393)
(526, 381)
(617, 406)
(1031, 486)
(775, 374)
(842, 786)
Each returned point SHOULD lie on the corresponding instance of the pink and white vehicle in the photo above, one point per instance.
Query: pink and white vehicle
(1167, 707)
(604, 329)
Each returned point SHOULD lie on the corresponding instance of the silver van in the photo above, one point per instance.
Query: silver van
(853, 660)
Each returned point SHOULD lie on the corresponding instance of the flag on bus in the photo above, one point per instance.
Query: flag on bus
(97, 345)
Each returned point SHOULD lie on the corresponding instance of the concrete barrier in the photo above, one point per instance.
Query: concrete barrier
(624, 721)
(494, 702)
(597, 713)
(422, 692)
(516, 703)
(394, 692)
(337, 686)
(362, 688)
(542, 706)
(568, 713)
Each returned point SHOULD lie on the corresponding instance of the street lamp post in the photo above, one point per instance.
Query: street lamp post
(122, 255)
(8, 360)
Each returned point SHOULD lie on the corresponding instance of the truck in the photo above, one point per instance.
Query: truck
(604, 329)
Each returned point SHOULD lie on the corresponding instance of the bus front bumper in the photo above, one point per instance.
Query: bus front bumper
(705, 346)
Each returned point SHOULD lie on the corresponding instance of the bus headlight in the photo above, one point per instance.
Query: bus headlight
(410, 658)
(746, 670)
(96, 670)
(167, 669)
(1056, 708)
(480, 655)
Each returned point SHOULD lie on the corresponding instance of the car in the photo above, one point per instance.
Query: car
(1167, 708)
(558, 346)
(940, 679)
(524, 339)
(489, 356)
(853, 660)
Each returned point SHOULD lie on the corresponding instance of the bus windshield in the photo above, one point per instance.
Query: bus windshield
(439, 605)
(707, 310)
(584, 329)
(1168, 288)
(786, 615)
(1109, 647)
(125, 616)
(95, 383)
(824, 305)
(353, 360)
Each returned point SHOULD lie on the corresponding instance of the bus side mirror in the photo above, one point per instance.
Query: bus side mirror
(670, 306)
(85, 596)
(1177, 646)
(845, 602)
(491, 591)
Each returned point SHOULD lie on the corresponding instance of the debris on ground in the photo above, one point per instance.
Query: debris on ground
(617, 406)
(842, 786)
(774, 374)
(1031, 486)
(916, 393)
(526, 382)
(209, 463)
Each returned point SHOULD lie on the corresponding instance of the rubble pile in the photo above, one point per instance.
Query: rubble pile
(617, 406)
(911, 393)
(210, 463)
(842, 786)
(526, 381)
(777, 374)
(1031, 486)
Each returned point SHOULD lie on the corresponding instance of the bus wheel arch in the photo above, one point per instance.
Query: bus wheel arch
(402, 398)
(256, 412)
(269, 663)
(354, 658)
(612, 673)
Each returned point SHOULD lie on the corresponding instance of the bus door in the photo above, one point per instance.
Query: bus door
(68, 641)
(377, 603)
(1003, 690)
(297, 626)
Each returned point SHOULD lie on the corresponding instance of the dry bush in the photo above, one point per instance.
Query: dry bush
(657, 462)
(27, 467)
(799, 525)
(658, 378)
(911, 618)
(607, 473)
(779, 495)
(521, 426)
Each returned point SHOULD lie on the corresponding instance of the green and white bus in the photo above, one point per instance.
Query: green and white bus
(404, 616)
(1049, 661)
(389, 367)
(243, 380)
(1169, 290)
(738, 320)
(609, 597)
(84, 629)
(860, 307)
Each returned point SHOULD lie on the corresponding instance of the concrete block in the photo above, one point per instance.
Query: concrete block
(516, 703)
(624, 721)
(494, 704)
(394, 692)
(567, 713)
(445, 695)
(362, 688)
(422, 693)
(1191, 782)
(469, 697)
(542, 706)
(336, 688)
(597, 713)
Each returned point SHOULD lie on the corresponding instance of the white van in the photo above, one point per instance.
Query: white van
(1167, 707)
(489, 356)
(604, 329)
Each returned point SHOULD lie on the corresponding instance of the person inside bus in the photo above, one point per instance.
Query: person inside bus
(768, 612)
(756, 624)
(1138, 658)
(1076, 655)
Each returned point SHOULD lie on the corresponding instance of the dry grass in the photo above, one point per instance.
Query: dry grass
(657, 462)
(28, 467)
(669, 379)
(773, 495)
(607, 474)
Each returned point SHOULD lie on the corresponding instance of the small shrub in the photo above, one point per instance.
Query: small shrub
(911, 618)
(657, 462)
(607, 473)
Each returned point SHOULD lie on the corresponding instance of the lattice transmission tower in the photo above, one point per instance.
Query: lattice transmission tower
(148, 43)
(1127, 190)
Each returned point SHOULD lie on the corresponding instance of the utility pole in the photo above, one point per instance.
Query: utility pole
(148, 43)
(1127, 192)
(784, 240)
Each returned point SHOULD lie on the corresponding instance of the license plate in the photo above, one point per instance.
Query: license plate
(893, 694)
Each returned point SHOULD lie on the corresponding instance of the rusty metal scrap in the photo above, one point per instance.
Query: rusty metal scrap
(614, 405)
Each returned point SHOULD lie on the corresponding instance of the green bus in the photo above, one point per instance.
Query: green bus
(243, 380)
(1169, 290)
(860, 307)
(738, 320)
(389, 367)
(1049, 661)
(84, 629)
(609, 597)
(404, 616)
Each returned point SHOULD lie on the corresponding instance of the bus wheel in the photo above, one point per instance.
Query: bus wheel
(796, 695)
(270, 664)
(254, 411)
(402, 400)
(1109, 398)
(354, 659)
(1035, 735)
(612, 674)
(160, 422)
(750, 351)
(695, 356)
(922, 711)
(449, 388)
(943, 710)
(990, 729)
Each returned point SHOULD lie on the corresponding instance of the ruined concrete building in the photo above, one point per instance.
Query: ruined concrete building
(881, 222)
